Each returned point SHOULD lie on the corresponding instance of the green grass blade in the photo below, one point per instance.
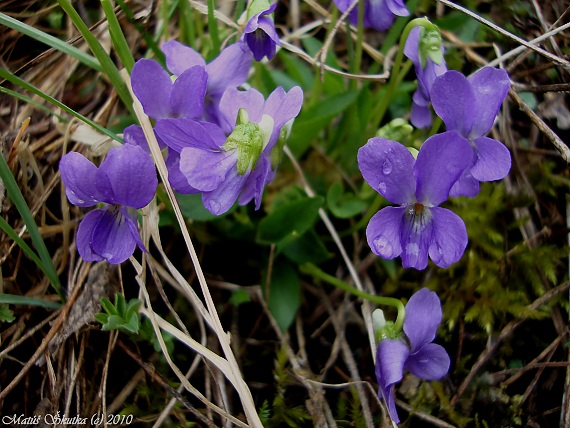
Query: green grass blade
(109, 68)
(13, 299)
(29, 87)
(49, 40)
(213, 29)
(117, 36)
(20, 203)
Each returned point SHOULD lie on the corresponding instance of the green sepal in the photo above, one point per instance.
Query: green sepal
(430, 44)
(248, 139)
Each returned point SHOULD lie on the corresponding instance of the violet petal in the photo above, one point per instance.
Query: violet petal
(152, 86)
(390, 358)
(282, 107)
(449, 238)
(493, 160)
(221, 200)
(429, 363)
(397, 7)
(415, 237)
(112, 238)
(128, 177)
(235, 58)
(383, 232)
(454, 100)
(466, 185)
(188, 92)
(177, 180)
(387, 166)
(441, 161)
(180, 133)
(180, 58)
(84, 237)
(205, 170)
(490, 86)
(251, 100)
(423, 316)
(79, 177)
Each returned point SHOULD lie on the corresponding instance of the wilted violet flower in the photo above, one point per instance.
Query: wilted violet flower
(378, 14)
(259, 33)
(227, 70)
(418, 226)
(469, 106)
(125, 182)
(162, 98)
(232, 162)
(426, 71)
(418, 354)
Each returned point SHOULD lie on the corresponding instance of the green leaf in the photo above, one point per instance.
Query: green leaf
(308, 248)
(314, 119)
(108, 306)
(239, 296)
(6, 315)
(289, 221)
(284, 294)
(344, 205)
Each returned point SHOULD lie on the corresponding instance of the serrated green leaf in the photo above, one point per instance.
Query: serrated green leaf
(113, 323)
(6, 315)
(289, 221)
(102, 318)
(108, 306)
(120, 304)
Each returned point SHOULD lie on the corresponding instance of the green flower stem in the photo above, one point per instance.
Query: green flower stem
(315, 272)
(380, 109)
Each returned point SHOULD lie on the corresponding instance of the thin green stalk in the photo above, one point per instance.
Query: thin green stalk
(382, 106)
(13, 299)
(109, 68)
(315, 272)
(117, 37)
(27, 86)
(52, 41)
(45, 261)
(213, 29)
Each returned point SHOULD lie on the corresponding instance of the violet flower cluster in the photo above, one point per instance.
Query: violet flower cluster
(220, 139)
(414, 350)
(448, 164)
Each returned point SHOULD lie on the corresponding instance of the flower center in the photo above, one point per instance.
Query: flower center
(418, 208)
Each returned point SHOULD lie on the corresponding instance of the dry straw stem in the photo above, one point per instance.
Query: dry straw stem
(232, 371)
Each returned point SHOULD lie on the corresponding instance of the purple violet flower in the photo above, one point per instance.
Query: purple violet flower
(232, 162)
(125, 182)
(426, 74)
(228, 70)
(259, 33)
(162, 98)
(418, 226)
(469, 106)
(418, 354)
(378, 14)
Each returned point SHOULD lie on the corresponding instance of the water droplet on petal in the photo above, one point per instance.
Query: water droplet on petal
(412, 249)
(387, 167)
(382, 187)
(382, 245)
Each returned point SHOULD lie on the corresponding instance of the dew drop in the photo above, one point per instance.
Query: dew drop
(382, 245)
(382, 187)
(387, 167)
